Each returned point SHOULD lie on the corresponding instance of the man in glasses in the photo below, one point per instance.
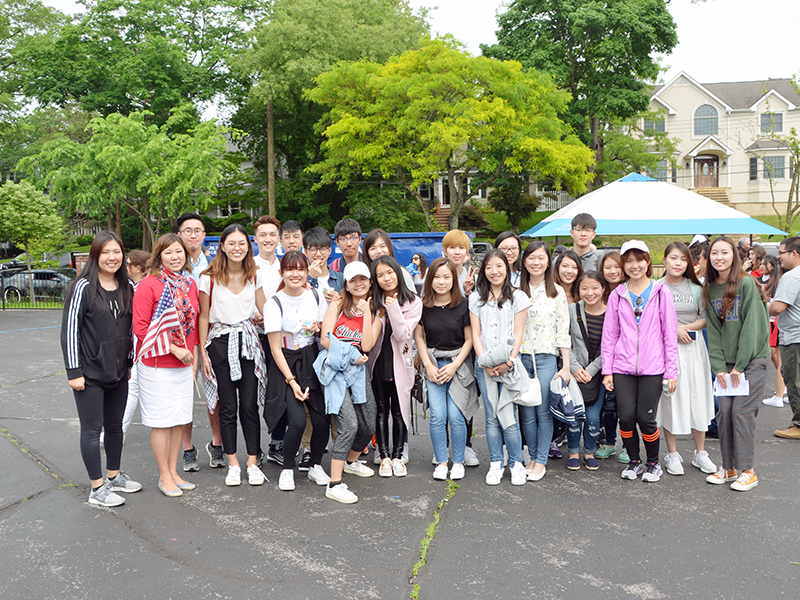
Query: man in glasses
(348, 239)
(318, 250)
(292, 236)
(583, 232)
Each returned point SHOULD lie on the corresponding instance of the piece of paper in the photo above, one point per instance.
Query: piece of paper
(743, 389)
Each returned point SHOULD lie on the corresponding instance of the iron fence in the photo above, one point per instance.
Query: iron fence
(40, 288)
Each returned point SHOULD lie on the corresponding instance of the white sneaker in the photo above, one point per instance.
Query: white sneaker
(457, 472)
(440, 472)
(673, 462)
(773, 401)
(404, 456)
(518, 474)
(318, 475)
(340, 493)
(358, 468)
(398, 468)
(495, 474)
(234, 476)
(286, 481)
(470, 458)
(386, 468)
(526, 456)
(255, 476)
(703, 462)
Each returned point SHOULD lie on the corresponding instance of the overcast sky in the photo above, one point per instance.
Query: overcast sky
(719, 40)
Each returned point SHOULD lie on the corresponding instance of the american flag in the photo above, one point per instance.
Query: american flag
(157, 340)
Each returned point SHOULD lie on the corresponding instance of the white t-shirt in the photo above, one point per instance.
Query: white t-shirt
(227, 307)
(299, 313)
(269, 275)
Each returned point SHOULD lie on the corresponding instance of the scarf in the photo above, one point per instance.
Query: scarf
(178, 285)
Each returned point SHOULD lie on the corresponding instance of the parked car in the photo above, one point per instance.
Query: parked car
(47, 283)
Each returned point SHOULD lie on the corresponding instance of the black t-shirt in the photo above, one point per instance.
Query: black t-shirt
(444, 326)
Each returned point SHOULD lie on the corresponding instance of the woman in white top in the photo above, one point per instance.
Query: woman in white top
(546, 336)
(292, 318)
(233, 360)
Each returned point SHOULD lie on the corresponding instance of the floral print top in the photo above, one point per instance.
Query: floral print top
(547, 325)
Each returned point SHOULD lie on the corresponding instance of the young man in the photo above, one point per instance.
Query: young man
(348, 238)
(292, 236)
(583, 232)
(192, 231)
(786, 305)
(456, 246)
(266, 232)
(317, 242)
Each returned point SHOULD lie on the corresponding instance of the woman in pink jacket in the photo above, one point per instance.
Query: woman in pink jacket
(640, 356)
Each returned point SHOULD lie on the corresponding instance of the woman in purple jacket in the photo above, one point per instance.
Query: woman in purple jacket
(640, 355)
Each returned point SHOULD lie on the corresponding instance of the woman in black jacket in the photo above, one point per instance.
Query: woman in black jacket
(97, 346)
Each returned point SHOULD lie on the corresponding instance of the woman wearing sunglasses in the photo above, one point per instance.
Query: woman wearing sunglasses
(640, 356)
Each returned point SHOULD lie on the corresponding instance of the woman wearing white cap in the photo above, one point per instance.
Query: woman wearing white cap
(640, 355)
(349, 320)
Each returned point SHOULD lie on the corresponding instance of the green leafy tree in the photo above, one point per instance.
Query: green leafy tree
(440, 111)
(26, 217)
(511, 196)
(602, 52)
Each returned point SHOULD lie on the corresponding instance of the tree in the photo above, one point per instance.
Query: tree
(511, 196)
(440, 111)
(787, 214)
(602, 51)
(27, 216)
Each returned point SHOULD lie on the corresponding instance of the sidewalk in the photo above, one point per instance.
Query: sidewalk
(571, 535)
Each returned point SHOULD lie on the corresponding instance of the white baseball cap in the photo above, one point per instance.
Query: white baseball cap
(355, 268)
(698, 239)
(634, 245)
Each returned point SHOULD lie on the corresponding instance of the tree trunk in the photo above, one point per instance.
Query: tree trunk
(270, 160)
(597, 147)
(30, 269)
(119, 221)
(458, 196)
(426, 205)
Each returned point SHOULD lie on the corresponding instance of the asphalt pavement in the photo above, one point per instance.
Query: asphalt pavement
(581, 535)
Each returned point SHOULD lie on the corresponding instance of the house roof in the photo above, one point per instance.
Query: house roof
(766, 145)
(742, 95)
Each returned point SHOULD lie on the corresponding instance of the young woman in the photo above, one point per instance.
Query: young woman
(292, 317)
(691, 408)
(753, 265)
(167, 370)
(508, 243)
(639, 356)
(391, 361)
(456, 247)
(568, 268)
(772, 275)
(96, 343)
(377, 243)
(738, 342)
(233, 359)
(610, 268)
(497, 313)
(349, 320)
(444, 343)
(586, 333)
(546, 336)
(418, 268)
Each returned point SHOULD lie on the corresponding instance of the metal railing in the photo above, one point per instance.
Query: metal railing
(49, 287)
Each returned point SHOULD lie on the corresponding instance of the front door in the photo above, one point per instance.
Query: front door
(706, 172)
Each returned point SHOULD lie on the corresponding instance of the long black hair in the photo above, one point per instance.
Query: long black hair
(525, 277)
(483, 286)
(403, 293)
(517, 266)
(91, 271)
(573, 256)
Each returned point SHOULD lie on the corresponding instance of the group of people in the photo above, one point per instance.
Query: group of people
(332, 350)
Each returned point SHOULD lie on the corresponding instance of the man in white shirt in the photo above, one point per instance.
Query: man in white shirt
(292, 236)
(266, 232)
(192, 231)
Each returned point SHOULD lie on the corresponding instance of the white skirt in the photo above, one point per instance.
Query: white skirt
(165, 396)
(692, 404)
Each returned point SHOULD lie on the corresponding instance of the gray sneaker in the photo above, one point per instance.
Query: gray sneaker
(190, 462)
(216, 457)
(123, 483)
(103, 496)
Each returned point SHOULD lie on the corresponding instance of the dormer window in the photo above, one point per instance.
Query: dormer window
(706, 120)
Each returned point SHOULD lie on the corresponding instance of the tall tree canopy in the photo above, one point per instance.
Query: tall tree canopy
(602, 51)
(438, 110)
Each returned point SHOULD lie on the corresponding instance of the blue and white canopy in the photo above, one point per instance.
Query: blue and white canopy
(639, 205)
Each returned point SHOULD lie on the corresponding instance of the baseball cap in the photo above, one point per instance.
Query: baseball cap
(634, 245)
(355, 268)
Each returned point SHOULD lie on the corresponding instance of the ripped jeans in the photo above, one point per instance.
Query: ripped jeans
(590, 426)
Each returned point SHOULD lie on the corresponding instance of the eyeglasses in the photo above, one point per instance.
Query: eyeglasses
(637, 310)
(233, 245)
(580, 230)
(316, 250)
(348, 238)
(292, 236)
(785, 251)
(198, 232)
(508, 249)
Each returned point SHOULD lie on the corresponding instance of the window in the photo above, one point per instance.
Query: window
(654, 125)
(706, 120)
(674, 174)
(771, 122)
(753, 169)
(774, 167)
(661, 172)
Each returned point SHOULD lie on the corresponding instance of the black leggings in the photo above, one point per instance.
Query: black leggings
(247, 401)
(386, 402)
(296, 424)
(101, 409)
(637, 403)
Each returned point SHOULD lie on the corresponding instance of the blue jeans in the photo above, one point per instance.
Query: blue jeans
(443, 409)
(590, 426)
(495, 434)
(537, 421)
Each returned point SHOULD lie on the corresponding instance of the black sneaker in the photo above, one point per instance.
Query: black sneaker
(216, 457)
(260, 458)
(190, 462)
(275, 453)
(305, 462)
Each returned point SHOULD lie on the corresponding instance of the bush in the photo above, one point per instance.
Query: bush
(85, 240)
(472, 218)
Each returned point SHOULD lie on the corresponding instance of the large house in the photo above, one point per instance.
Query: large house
(728, 132)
